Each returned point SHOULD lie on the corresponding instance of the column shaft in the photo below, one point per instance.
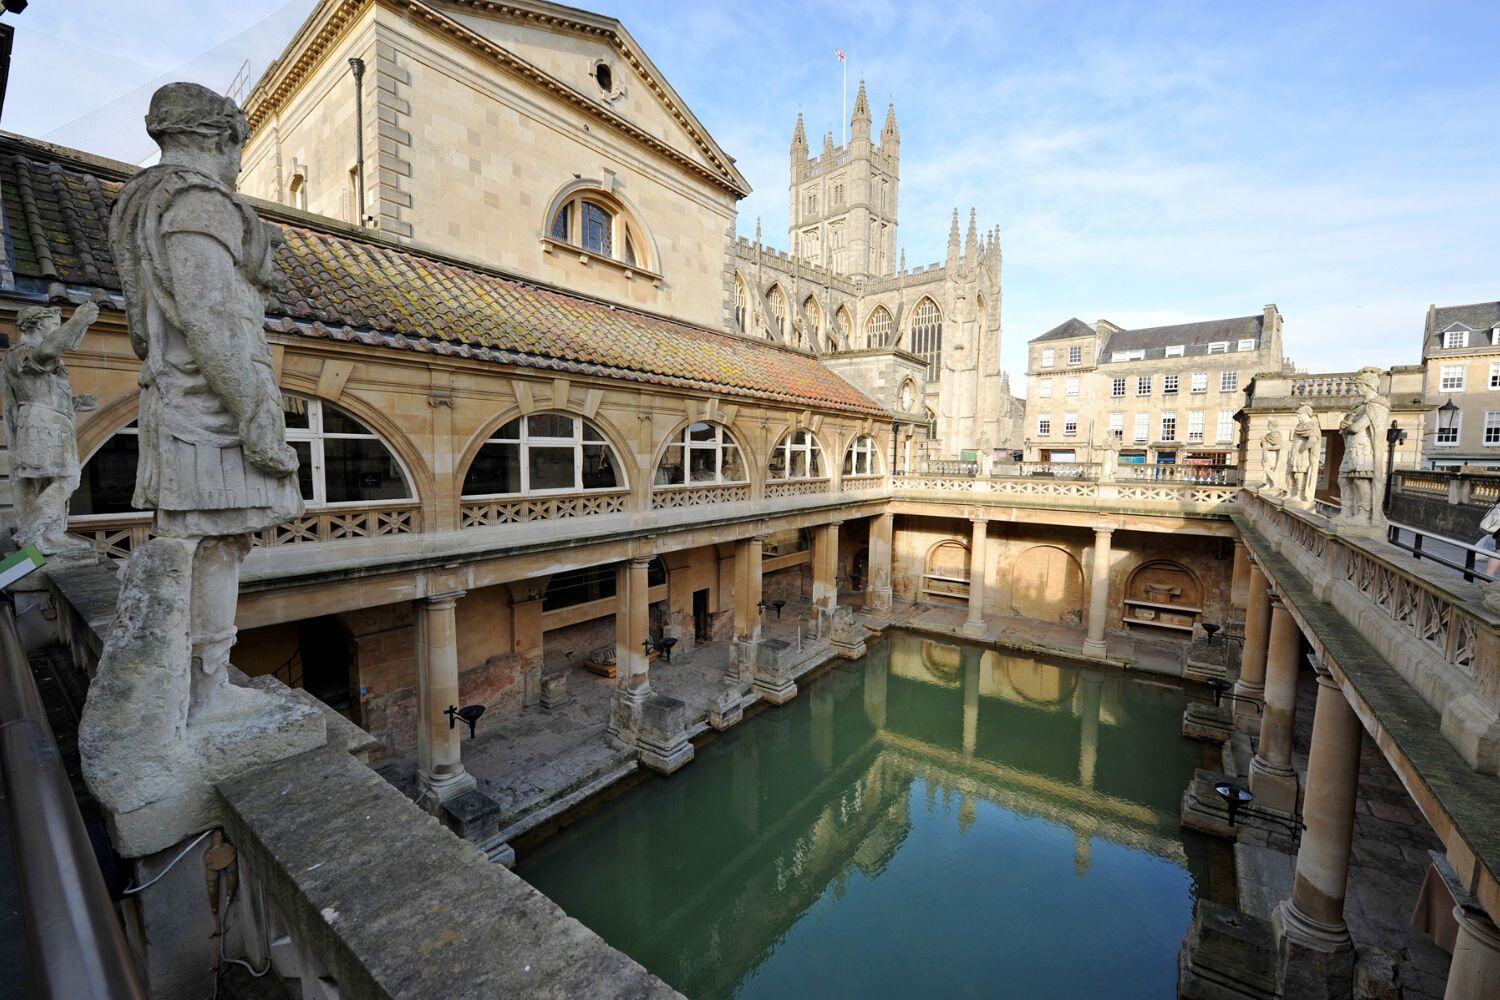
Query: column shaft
(1252, 682)
(1239, 580)
(974, 625)
(825, 560)
(747, 589)
(1271, 776)
(1095, 645)
(1474, 973)
(440, 768)
(878, 592)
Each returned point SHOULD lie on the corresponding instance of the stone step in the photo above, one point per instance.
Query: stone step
(588, 781)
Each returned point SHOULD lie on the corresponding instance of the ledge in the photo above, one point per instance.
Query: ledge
(392, 904)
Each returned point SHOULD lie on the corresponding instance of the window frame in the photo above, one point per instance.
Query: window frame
(809, 446)
(1461, 379)
(524, 442)
(1071, 386)
(628, 246)
(1075, 354)
(1049, 357)
(1044, 425)
(1044, 388)
(1218, 347)
(1449, 336)
(879, 326)
(1229, 381)
(1143, 384)
(315, 437)
(723, 439)
(1169, 417)
(1170, 384)
(1070, 425)
(1448, 437)
(925, 335)
(863, 446)
(1199, 382)
(1117, 387)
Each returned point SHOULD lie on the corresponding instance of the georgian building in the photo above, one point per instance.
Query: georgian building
(1461, 361)
(1164, 394)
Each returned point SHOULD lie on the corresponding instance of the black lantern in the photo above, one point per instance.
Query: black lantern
(469, 714)
(1234, 796)
(1447, 416)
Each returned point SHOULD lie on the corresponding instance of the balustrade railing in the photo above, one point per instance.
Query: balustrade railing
(118, 535)
(1325, 386)
(1479, 488)
(518, 510)
(796, 487)
(1185, 472)
(668, 497)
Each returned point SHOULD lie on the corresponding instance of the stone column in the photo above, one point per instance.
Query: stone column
(974, 625)
(1252, 682)
(878, 592)
(1272, 778)
(971, 659)
(440, 769)
(1094, 645)
(1239, 580)
(825, 560)
(1088, 736)
(632, 677)
(1317, 950)
(747, 588)
(1475, 969)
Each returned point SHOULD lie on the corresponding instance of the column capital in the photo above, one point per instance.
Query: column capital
(1278, 603)
(439, 601)
(1320, 670)
(979, 519)
(1105, 529)
(641, 560)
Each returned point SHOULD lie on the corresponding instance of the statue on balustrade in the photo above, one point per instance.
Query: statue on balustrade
(44, 466)
(1108, 450)
(1303, 456)
(1270, 459)
(1362, 472)
(163, 721)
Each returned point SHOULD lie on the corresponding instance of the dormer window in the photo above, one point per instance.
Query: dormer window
(1174, 351)
(1219, 347)
(597, 225)
(1248, 344)
(1457, 337)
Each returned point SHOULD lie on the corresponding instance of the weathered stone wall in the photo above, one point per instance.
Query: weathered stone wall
(1459, 521)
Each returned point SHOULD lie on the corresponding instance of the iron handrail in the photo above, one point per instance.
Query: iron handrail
(1472, 553)
(75, 939)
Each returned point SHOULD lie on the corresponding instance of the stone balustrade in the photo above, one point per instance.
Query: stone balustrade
(1166, 497)
(117, 535)
(1434, 631)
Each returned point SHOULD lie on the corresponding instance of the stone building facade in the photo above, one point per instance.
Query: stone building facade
(1461, 362)
(1160, 394)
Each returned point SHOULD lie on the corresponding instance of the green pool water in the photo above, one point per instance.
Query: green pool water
(930, 821)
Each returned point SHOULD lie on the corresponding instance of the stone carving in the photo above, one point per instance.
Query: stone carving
(1109, 457)
(1302, 459)
(1363, 467)
(44, 464)
(1270, 459)
(163, 721)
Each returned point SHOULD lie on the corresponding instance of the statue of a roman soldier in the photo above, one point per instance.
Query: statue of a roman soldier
(1363, 467)
(1302, 461)
(1270, 459)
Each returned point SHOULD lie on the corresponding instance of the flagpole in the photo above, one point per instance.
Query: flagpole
(844, 105)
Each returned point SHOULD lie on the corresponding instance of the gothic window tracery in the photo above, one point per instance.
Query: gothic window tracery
(927, 336)
(878, 328)
(776, 305)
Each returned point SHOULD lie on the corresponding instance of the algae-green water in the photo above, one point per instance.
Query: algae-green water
(931, 821)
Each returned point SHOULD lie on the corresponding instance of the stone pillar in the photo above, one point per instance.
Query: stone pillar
(440, 769)
(1094, 645)
(974, 625)
(632, 678)
(1272, 778)
(1316, 951)
(1252, 682)
(1239, 580)
(878, 592)
(747, 588)
(970, 661)
(1475, 971)
(877, 672)
(825, 561)
(527, 635)
(1088, 736)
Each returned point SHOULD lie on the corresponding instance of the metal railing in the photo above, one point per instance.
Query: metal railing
(1469, 560)
(75, 939)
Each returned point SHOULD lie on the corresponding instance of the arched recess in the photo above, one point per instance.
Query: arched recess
(741, 305)
(925, 337)
(547, 452)
(816, 329)
(1156, 586)
(862, 457)
(628, 235)
(879, 328)
(1046, 584)
(349, 456)
(693, 448)
(778, 314)
(1040, 684)
(843, 326)
(945, 572)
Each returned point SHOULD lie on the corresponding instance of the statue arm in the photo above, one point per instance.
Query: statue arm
(68, 335)
(202, 270)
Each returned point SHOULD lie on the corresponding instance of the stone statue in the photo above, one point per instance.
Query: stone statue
(1363, 467)
(1302, 458)
(1108, 451)
(1270, 459)
(44, 464)
(163, 723)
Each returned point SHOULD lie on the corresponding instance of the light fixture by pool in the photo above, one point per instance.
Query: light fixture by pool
(469, 714)
(1234, 796)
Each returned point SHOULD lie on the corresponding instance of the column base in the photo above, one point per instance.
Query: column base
(625, 717)
(1314, 960)
(878, 601)
(1274, 787)
(1246, 718)
(973, 628)
(437, 789)
(1203, 720)
(1097, 648)
(1226, 955)
(663, 742)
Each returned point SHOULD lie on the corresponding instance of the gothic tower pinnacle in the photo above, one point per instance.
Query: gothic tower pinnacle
(859, 122)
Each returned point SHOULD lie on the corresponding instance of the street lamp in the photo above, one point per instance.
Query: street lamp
(1447, 420)
(1394, 435)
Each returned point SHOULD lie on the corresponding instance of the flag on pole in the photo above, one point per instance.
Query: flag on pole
(839, 55)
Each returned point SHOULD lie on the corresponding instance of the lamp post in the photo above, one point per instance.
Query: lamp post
(1394, 435)
(357, 67)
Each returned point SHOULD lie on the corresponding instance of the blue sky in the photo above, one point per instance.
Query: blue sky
(1147, 163)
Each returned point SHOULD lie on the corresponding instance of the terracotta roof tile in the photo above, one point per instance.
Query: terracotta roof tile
(370, 292)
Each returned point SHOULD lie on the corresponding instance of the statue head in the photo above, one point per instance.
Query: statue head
(1367, 381)
(1305, 412)
(196, 126)
(34, 321)
(1270, 423)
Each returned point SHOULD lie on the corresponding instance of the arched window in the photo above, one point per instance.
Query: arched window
(340, 462)
(927, 336)
(878, 328)
(741, 304)
(841, 327)
(862, 458)
(776, 305)
(947, 572)
(703, 453)
(814, 314)
(543, 453)
(797, 456)
(598, 224)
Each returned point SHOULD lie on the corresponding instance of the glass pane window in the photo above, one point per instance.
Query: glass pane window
(1142, 429)
(927, 336)
(1117, 387)
(1044, 387)
(1049, 357)
(1143, 385)
(1169, 383)
(1072, 385)
(796, 456)
(108, 478)
(1456, 338)
(1495, 375)
(860, 460)
(1075, 355)
(1226, 426)
(598, 226)
(341, 460)
(1492, 428)
(1200, 381)
(1229, 381)
(701, 454)
(1452, 378)
(878, 328)
(1169, 427)
(562, 223)
(544, 453)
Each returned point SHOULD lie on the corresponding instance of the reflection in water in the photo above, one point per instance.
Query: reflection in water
(933, 820)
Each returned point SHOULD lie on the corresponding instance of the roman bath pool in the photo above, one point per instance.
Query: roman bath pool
(930, 821)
